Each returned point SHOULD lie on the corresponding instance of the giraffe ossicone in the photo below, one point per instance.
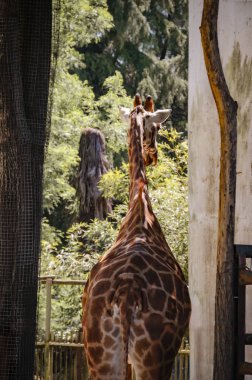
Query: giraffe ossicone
(136, 305)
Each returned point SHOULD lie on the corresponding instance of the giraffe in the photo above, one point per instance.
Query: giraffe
(136, 305)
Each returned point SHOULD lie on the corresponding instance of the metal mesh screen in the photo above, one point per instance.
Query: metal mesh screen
(25, 57)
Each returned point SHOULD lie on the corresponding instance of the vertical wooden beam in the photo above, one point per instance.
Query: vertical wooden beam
(227, 112)
(48, 309)
(241, 310)
(48, 328)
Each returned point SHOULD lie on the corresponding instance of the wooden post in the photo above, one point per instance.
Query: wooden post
(227, 112)
(48, 328)
(241, 317)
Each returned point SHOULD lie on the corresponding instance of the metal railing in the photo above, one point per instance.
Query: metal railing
(60, 356)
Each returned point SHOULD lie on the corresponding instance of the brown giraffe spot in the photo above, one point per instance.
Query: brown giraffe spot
(108, 341)
(171, 353)
(129, 269)
(152, 278)
(160, 252)
(156, 263)
(153, 373)
(145, 375)
(101, 287)
(95, 354)
(106, 369)
(138, 330)
(108, 325)
(108, 356)
(137, 231)
(154, 326)
(148, 360)
(157, 352)
(167, 281)
(177, 343)
(141, 346)
(97, 306)
(138, 262)
(94, 333)
(167, 339)
(157, 298)
(107, 275)
(171, 312)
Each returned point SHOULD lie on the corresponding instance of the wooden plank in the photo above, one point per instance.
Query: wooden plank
(248, 339)
(61, 344)
(241, 312)
(246, 368)
(245, 277)
(62, 281)
(40, 344)
(244, 250)
(48, 309)
(42, 278)
(48, 354)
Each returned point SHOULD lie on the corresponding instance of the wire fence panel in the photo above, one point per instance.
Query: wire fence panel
(60, 355)
(25, 69)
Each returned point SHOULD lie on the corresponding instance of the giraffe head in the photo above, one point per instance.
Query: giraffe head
(149, 123)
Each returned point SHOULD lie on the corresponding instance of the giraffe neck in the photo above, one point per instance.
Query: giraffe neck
(140, 221)
(140, 216)
(138, 180)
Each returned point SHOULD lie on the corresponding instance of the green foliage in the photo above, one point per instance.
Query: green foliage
(108, 116)
(82, 21)
(85, 243)
(148, 45)
(115, 184)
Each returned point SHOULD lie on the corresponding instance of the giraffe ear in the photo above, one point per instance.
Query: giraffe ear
(125, 114)
(160, 116)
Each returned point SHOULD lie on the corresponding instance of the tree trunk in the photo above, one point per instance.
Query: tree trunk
(227, 111)
(93, 165)
(25, 49)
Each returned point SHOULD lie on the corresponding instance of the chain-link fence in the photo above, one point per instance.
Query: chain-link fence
(25, 74)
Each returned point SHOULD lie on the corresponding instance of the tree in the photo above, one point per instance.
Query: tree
(93, 164)
(148, 45)
(227, 111)
(25, 47)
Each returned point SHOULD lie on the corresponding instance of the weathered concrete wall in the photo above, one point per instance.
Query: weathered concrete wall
(235, 34)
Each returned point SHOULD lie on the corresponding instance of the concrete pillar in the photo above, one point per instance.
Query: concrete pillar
(235, 34)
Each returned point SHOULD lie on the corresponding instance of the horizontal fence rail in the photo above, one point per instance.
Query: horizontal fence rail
(60, 356)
